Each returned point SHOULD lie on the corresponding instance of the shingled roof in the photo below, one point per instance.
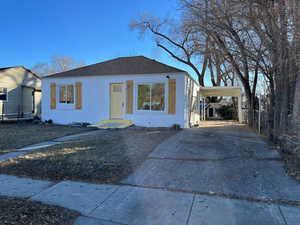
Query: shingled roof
(120, 66)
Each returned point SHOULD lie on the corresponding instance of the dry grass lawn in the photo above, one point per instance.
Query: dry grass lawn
(17, 135)
(15, 211)
(102, 158)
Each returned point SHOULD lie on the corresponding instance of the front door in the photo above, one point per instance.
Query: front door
(116, 101)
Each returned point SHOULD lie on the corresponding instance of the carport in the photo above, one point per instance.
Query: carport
(225, 92)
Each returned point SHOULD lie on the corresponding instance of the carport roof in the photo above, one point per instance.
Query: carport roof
(220, 91)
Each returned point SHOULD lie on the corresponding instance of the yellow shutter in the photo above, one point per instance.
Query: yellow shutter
(78, 104)
(172, 96)
(129, 97)
(52, 96)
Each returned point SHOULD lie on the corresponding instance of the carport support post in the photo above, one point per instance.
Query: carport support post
(204, 109)
(240, 113)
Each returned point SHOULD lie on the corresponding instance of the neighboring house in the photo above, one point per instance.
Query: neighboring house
(147, 92)
(212, 111)
(20, 93)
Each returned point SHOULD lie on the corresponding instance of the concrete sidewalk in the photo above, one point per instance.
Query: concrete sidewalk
(102, 204)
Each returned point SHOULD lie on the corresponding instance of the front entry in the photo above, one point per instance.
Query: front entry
(116, 101)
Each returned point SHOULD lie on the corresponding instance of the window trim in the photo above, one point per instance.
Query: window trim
(66, 94)
(150, 110)
(6, 94)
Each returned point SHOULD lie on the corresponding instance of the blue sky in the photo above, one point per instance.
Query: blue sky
(32, 31)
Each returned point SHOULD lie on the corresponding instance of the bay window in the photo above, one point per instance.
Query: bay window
(151, 97)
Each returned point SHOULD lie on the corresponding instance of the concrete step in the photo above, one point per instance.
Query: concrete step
(113, 124)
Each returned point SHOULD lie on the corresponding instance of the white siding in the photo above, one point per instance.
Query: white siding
(19, 98)
(191, 102)
(96, 100)
(27, 102)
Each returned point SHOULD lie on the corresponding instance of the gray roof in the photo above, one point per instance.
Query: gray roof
(120, 66)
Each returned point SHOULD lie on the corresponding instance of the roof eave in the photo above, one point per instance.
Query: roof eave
(100, 75)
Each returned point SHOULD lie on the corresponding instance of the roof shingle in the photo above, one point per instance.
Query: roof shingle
(120, 66)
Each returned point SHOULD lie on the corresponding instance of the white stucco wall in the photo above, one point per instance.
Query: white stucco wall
(96, 100)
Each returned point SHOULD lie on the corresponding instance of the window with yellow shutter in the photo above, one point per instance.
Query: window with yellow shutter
(66, 94)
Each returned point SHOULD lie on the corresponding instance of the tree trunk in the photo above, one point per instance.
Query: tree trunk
(251, 106)
(271, 111)
(296, 112)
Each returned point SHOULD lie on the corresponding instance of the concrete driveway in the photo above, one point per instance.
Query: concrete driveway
(224, 163)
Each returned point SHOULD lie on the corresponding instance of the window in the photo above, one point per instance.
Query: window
(151, 97)
(3, 94)
(144, 97)
(70, 94)
(66, 94)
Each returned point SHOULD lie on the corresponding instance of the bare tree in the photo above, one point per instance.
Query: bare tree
(252, 40)
(219, 20)
(278, 27)
(179, 41)
(58, 64)
(258, 38)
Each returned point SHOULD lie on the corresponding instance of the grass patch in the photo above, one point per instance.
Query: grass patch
(101, 158)
(16, 211)
(17, 135)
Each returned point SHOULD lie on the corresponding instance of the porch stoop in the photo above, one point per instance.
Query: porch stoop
(113, 124)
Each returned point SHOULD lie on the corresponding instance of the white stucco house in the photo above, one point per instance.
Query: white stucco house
(139, 89)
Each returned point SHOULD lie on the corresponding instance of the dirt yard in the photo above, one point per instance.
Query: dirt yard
(102, 158)
(17, 135)
(15, 211)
